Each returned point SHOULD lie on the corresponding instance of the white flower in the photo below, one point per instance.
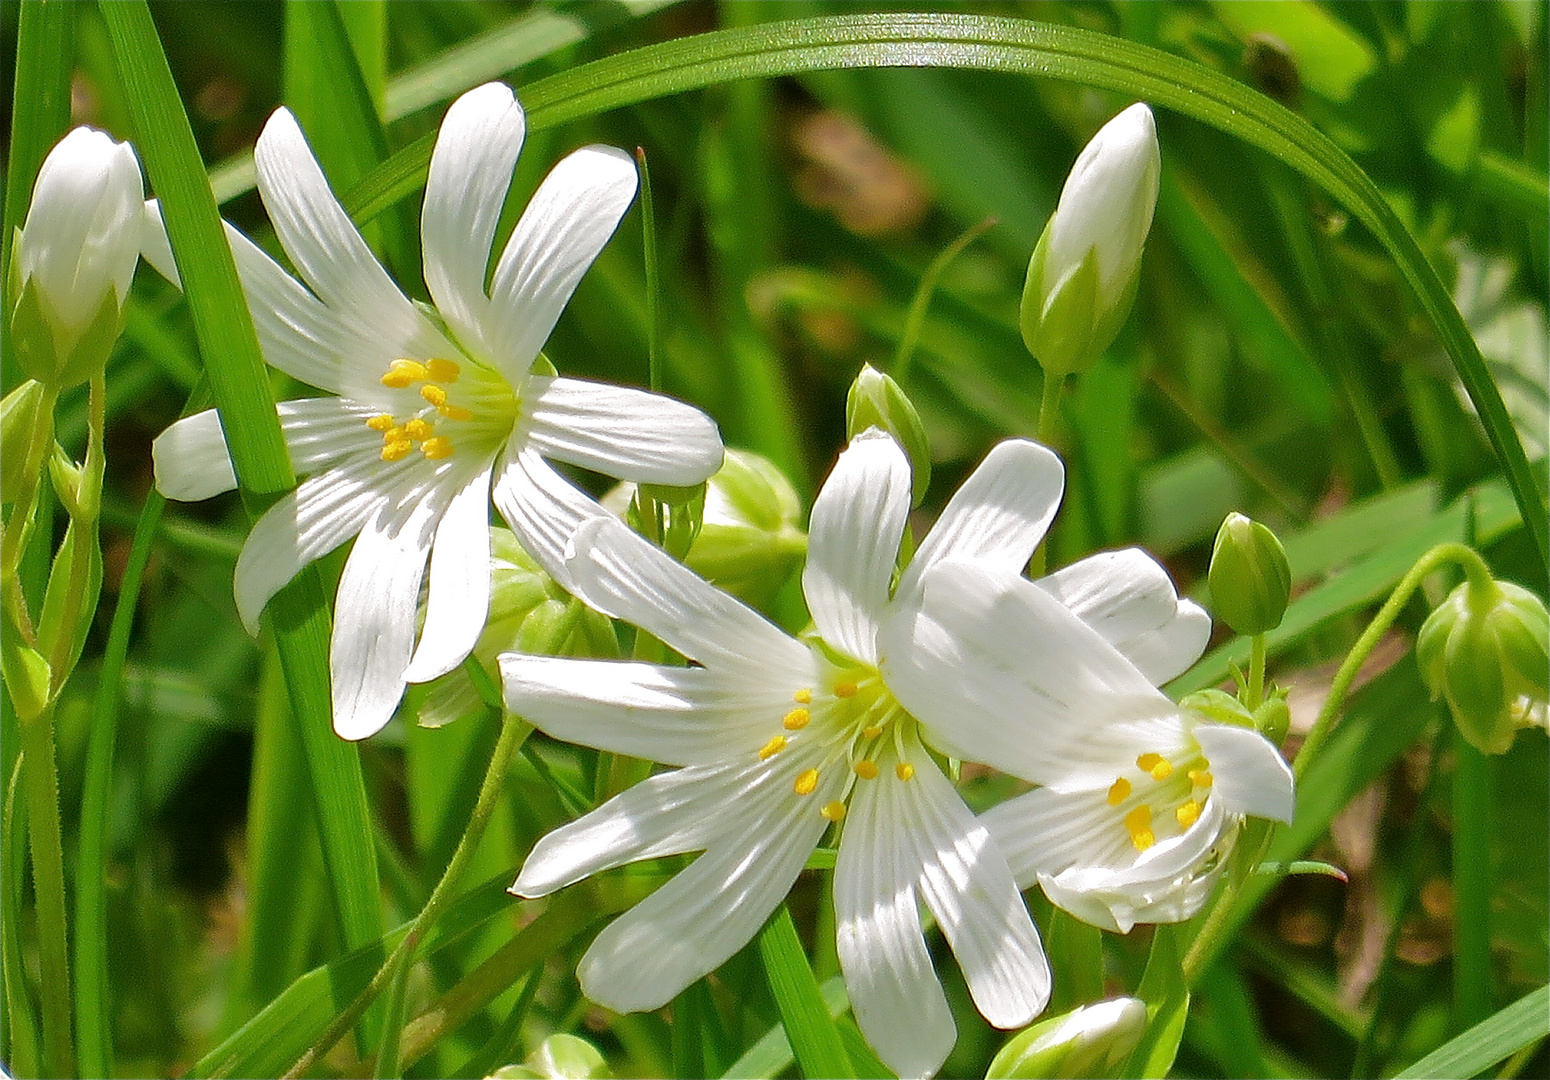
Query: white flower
(437, 413)
(81, 241)
(777, 739)
(1141, 799)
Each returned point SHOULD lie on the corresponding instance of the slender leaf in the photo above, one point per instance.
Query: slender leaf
(1489, 1041)
(809, 1025)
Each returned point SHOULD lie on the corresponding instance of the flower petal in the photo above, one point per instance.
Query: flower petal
(476, 151)
(621, 432)
(621, 573)
(1129, 599)
(458, 600)
(374, 613)
(571, 217)
(695, 922)
(1250, 775)
(965, 881)
(999, 514)
(853, 542)
(678, 716)
(1001, 672)
(1044, 831)
(542, 508)
(894, 992)
(190, 459)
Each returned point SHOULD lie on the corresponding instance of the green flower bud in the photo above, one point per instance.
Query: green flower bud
(1093, 1040)
(669, 517)
(561, 1057)
(1485, 648)
(875, 400)
(1274, 717)
(1082, 277)
(1250, 578)
(25, 415)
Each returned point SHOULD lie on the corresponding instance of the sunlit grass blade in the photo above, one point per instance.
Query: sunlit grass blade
(814, 1036)
(1518, 1025)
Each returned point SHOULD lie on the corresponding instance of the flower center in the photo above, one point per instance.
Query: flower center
(858, 722)
(1161, 797)
(441, 423)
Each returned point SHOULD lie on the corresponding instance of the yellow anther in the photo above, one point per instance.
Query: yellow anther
(834, 811)
(806, 782)
(865, 769)
(394, 434)
(1162, 770)
(1188, 814)
(871, 731)
(844, 689)
(796, 720)
(904, 770)
(380, 422)
(1200, 777)
(454, 412)
(403, 372)
(437, 447)
(1119, 791)
(773, 747)
(1139, 824)
(433, 394)
(396, 450)
(442, 370)
(803, 696)
(1147, 762)
(418, 429)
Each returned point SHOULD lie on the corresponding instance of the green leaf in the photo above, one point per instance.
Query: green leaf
(809, 1026)
(1167, 1006)
(1489, 1041)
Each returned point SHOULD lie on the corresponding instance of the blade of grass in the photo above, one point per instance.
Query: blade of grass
(1471, 885)
(809, 1026)
(1519, 1024)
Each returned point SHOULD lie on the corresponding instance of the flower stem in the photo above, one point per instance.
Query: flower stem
(1049, 408)
(41, 779)
(514, 732)
(1479, 577)
(915, 318)
(1203, 947)
(1256, 691)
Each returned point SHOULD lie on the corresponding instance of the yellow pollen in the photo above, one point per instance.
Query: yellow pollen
(806, 782)
(394, 434)
(1119, 791)
(437, 447)
(844, 689)
(1139, 824)
(1200, 777)
(834, 811)
(796, 720)
(1188, 813)
(803, 696)
(454, 412)
(433, 394)
(773, 747)
(865, 769)
(396, 450)
(442, 370)
(1155, 764)
(419, 429)
(904, 770)
(871, 731)
(380, 422)
(403, 372)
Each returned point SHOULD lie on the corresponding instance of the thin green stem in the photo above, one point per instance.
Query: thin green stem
(1049, 410)
(1256, 691)
(916, 317)
(41, 780)
(1203, 947)
(514, 732)
(21, 1051)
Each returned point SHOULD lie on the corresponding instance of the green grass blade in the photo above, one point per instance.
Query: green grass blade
(811, 1029)
(1489, 1041)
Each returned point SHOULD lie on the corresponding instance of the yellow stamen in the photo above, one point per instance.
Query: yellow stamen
(904, 770)
(1119, 791)
(806, 782)
(396, 450)
(1139, 824)
(403, 372)
(803, 696)
(1156, 764)
(844, 689)
(871, 731)
(773, 747)
(865, 769)
(380, 422)
(454, 412)
(1188, 814)
(1200, 777)
(433, 394)
(796, 720)
(418, 429)
(442, 370)
(437, 447)
(834, 811)
(394, 434)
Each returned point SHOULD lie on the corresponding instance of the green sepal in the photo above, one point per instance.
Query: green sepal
(668, 516)
(27, 675)
(1273, 718)
(876, 400)
(70, 601)
(1063, 332)
(542, 365)
(1475, 687)
(25, 411)
(1219, 707)
(547, 628)
(91, 351)
(36, 334)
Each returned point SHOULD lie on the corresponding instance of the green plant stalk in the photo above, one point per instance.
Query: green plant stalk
(1256, 689)
(40, 779)
(915, 319)
(83, 570)
(1464, 556)
(814, 1037)
(514, 732)
(21, 1050)
(1049, 410)
(1471, 885)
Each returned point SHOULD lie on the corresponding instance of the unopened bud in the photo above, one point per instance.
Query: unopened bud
(875, 400)
(560, 1057)
(73, 260)
(25, 415)
(669, 517)
(1485, 650)
(1082, 277)
(1250, 578)
(1094, 1040)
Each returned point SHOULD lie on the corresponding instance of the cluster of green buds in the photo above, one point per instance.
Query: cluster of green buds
(1093, 1040)
(1484, 650)
(1082, 277)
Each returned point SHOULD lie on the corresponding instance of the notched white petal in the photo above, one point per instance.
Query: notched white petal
(190, 459)
(1250, 775)
(622, 432)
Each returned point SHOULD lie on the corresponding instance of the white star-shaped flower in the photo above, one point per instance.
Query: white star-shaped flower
(1140, 799)
(777, 739)
(437, 412)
